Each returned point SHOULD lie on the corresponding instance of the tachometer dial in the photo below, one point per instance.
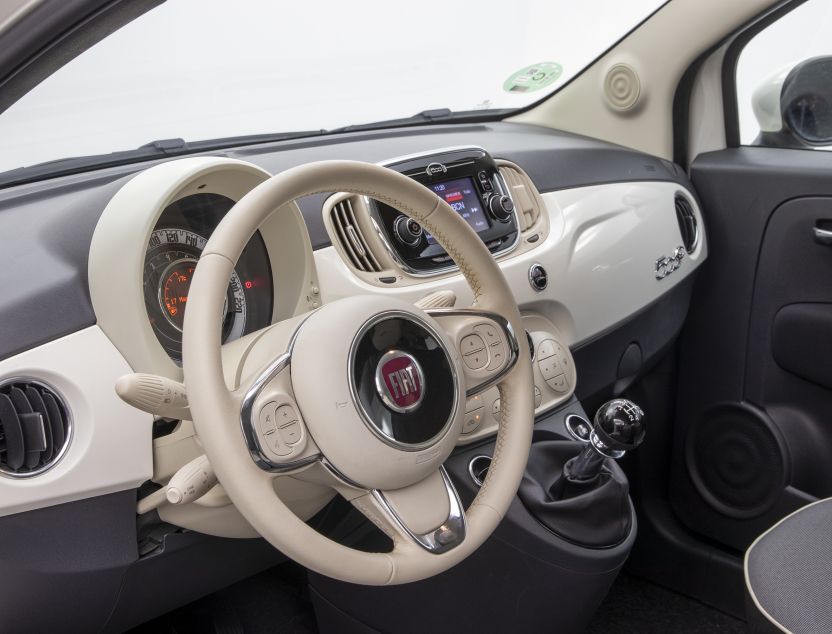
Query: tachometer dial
(170, 262)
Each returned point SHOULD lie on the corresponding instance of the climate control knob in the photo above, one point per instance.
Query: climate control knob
(500, 206)
(407, 231)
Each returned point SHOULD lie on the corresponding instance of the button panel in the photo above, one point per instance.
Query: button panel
(484, 350)
(280, 433)
(554, 372)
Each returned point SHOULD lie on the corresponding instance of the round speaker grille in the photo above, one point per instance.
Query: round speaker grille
(622, 87)
(736, 461)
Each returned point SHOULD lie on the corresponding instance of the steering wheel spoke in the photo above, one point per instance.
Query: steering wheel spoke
(485, 341)
(428, 514)
(276, 435)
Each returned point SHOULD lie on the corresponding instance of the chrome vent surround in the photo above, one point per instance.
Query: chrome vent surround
(351, 237)
(688, 226)
(521, 190)
(35, 427)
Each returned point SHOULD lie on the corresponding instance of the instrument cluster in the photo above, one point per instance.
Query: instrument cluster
(175, 246)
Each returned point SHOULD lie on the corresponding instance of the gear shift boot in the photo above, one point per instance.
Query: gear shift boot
(593, 513)
(576, 489)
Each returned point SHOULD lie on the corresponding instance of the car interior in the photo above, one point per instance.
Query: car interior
(553, 354)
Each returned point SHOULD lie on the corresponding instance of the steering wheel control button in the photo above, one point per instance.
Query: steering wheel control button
(471, 343)
(400, 381)
(495, 410)
(489, 333)
(538, 277)
(267, 422)
(285, 414)
(473, 403)
(538, 397)
(550, 367)
(559, 383)
(476, 360)
(472, 420)
(498, 357)
(290, 434)
(546, 349)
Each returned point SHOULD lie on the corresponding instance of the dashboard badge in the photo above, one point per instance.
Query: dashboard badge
(667, 265)
(435, 168)
(399, 381)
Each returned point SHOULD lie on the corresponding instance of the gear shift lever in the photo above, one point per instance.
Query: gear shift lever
(618, 428)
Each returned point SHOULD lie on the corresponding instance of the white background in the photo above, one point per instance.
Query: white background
(201, 69)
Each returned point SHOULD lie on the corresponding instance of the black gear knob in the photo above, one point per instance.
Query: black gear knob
(619, 427)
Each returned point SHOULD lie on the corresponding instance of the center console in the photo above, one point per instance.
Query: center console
(467, 179)
(550, 562)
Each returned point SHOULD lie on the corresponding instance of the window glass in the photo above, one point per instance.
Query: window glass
(208, 69)
(784, 81)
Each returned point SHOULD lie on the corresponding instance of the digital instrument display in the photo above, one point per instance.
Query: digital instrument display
(462, 196)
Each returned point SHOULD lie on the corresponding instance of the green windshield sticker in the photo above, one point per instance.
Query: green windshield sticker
(533, 77)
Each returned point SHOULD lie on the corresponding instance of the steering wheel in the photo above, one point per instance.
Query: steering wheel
(366, 394)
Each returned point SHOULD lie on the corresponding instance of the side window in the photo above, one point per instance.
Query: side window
(784, 81)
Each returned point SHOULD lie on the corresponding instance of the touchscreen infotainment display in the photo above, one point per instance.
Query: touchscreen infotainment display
(461, 195)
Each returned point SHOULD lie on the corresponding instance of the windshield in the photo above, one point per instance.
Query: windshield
(209, 69)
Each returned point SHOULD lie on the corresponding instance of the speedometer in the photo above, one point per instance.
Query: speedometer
(170, 261)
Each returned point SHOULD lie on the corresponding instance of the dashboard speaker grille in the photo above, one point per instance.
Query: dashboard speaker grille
(687, 222)
(352, 238)
(35, 427)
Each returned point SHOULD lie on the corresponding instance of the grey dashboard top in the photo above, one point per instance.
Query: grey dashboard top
(46, 227)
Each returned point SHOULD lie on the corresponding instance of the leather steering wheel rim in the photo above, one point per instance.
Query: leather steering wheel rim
(216, 408)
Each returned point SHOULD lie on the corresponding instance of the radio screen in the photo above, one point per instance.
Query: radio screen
(463, 199)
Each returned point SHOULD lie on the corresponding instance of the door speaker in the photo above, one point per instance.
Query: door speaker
(737, 460)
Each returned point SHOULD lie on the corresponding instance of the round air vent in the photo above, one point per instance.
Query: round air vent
(688, 226)
(35, 427)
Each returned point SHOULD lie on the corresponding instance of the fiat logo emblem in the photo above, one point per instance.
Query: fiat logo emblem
(435, 168)
(399, 381)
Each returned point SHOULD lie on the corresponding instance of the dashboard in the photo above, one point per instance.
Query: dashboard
(585, 250)
(599, 244)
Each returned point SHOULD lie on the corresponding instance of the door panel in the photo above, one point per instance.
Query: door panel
(753, 439)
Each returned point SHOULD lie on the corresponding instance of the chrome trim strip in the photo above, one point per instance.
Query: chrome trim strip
(365, 416)
(70, 427)
(442, 539)
(503, 323)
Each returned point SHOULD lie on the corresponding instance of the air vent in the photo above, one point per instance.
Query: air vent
(35, 427)
(521, 190)
(687, 222)
(352, 238)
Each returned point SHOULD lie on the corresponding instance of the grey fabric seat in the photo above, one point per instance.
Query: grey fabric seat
(788, 573)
